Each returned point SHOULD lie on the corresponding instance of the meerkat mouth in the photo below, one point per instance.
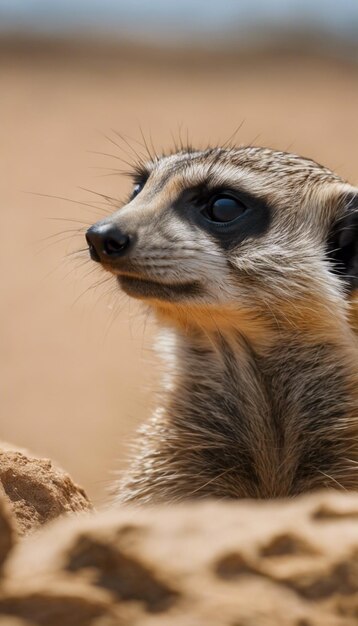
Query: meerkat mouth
(145, 288)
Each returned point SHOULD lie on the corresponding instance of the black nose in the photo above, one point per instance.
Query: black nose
(106, 242)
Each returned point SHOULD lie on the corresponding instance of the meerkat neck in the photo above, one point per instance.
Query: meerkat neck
(236, 421)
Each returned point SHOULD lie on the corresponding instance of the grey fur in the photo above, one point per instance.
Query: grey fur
(261, 394)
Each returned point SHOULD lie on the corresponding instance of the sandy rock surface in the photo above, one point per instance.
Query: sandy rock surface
(7, 533)
(289, 563)
(36, 490)
(13, 621)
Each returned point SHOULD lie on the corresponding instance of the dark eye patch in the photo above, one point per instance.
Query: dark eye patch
(342, 245)
(251, 215)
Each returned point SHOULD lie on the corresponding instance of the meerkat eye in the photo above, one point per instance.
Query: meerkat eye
(225, 208)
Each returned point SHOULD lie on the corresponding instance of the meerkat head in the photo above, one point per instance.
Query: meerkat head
(225, 232)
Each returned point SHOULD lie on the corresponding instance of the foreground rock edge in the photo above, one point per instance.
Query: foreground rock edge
(214, 563)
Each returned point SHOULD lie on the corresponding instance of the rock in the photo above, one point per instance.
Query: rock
(60, 604)
(37, 491)
(7, 533)
(14, 621)
(244, 563)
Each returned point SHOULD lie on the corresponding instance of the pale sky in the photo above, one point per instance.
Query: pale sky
(181, 19)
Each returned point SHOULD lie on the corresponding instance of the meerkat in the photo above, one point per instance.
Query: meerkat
(248, 258)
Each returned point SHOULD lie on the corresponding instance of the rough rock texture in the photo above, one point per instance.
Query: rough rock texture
(288, 563)
(36, 490)
(14, 621)
(7, 533)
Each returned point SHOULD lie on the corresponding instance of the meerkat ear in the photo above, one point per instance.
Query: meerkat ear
(343, 245)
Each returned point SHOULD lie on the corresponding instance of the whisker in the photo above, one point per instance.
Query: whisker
(128, 173)
(108, 199)
(151, 156)
(123, 138)
(153, 146)
(107, 169)
(67, 238)
(70, 232)
(116, 144)
(71, 200)
(229, 140)
(113, 156)
(77, 252)
(79, 267)
(68, 219)
(90, 287)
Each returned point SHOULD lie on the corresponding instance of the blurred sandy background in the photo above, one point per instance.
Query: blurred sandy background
(77, 372)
